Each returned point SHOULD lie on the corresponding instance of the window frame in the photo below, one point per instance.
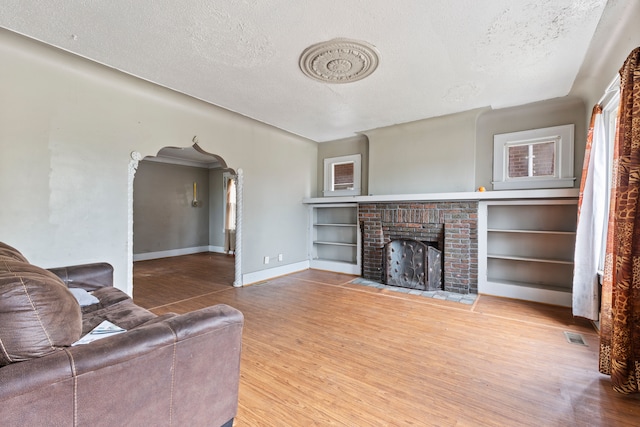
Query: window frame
(225, 177)
(563, 136)
(329, 164)
(610, 104)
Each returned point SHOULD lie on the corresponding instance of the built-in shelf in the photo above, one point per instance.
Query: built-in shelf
(551, 193)
(319, 242)
(335, 237)
(530, 285)
(530, 259)
(526, 249)
(501, 230)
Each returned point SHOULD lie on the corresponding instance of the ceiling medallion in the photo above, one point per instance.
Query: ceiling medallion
(339, 61)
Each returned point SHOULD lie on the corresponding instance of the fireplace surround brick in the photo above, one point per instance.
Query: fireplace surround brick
(454, 225)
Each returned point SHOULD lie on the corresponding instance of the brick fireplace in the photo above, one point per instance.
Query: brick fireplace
(452, 226)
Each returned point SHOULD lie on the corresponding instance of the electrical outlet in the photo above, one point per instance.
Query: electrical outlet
(280, 257)
(266, 260)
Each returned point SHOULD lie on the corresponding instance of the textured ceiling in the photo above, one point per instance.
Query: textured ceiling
(436, 57)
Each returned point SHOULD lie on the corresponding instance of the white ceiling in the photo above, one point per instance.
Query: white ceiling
(436, 57)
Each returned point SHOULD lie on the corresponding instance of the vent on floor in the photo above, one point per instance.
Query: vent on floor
(574, 338)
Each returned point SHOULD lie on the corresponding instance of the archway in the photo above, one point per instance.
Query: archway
(216, 166)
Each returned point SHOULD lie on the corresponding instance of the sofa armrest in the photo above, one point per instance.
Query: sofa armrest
(44, 385)
(87, 276)
(184, 370)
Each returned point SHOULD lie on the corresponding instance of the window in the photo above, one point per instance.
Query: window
(229, 213)
(531, 159)
(610, 105)
(539, 158)
(342, 175)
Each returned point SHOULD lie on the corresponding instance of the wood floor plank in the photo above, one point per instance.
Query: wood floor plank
(318, 350)
(168, 280)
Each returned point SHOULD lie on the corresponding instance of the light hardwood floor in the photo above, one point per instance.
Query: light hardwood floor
(320, 351)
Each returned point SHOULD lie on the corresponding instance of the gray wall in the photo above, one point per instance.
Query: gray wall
(344, 147)
(455, 153)
(217, 201)
(68, 127)
(163, 216)
(426, 156)
(618, 33)
(67, 130)
(544, 114)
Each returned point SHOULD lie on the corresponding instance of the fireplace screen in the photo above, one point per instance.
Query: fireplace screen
(412, 264)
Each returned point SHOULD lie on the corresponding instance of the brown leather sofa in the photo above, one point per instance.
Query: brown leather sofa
(169, 370)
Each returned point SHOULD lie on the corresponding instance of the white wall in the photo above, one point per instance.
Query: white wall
(67, 128)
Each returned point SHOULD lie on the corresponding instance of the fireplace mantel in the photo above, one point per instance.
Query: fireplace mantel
(460, 223)
(456, 196)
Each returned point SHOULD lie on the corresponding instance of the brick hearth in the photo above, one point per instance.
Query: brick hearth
(454, 225)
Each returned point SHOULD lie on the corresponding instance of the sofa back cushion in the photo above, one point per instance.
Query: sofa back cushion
(38, 313)
(7, 251)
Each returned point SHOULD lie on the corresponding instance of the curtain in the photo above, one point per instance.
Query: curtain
(591, 217)
(230, 215)
(620, 311)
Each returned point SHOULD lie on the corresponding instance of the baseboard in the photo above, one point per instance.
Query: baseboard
(337, 266)
(526, 293)
(170, 253)
(270, 273)
(247, 279)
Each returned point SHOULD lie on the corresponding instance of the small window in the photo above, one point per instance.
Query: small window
(342, 176)
(531, 159)
(539, 158)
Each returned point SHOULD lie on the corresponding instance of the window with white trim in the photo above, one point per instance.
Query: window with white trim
(538, 158)
(342, 175)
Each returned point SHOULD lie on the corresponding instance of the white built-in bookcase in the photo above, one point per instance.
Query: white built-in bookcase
(525, 249)
(526, 239)
(335, 237)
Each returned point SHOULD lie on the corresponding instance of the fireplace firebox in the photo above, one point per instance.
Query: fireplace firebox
(409, 263)
(452, 224)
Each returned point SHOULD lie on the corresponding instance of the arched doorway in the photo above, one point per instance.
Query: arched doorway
(186, 204)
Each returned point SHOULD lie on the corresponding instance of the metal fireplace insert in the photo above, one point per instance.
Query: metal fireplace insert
(409, 263)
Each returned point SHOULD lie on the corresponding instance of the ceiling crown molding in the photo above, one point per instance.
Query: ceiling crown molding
(339, 61)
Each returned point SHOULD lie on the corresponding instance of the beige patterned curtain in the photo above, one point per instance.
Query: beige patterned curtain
(620, 310)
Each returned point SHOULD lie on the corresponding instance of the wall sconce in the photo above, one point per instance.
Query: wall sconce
(196, 203)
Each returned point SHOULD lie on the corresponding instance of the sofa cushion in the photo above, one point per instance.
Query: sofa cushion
(38, 313)
(116, 307)
(7, 251)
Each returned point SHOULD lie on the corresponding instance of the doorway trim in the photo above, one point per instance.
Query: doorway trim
(238, 248)
(134, 161)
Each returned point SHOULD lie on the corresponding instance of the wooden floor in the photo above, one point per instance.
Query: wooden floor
(320, 351)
